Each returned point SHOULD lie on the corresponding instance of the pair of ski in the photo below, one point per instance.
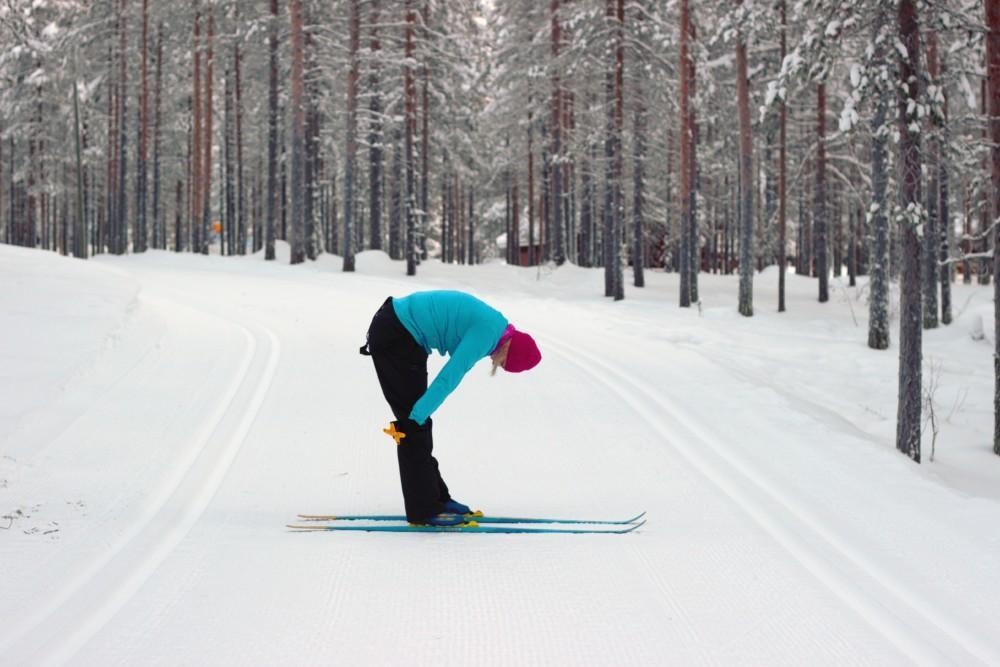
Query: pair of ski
(394, 523)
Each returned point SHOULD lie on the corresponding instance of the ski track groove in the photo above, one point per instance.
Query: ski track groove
(670, 601)
(334, 608)
(749, 490)
(143, 546)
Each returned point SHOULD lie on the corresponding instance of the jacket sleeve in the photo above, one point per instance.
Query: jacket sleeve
(468, 352)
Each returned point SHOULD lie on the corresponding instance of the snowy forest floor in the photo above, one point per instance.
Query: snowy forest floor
(163, 416)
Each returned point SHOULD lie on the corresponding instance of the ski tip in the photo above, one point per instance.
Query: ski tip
(638, 516)
(636, 526)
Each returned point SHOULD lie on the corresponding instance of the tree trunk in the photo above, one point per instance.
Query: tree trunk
(693, 220)
(545, 208)
(515, 224)
(608, 216)
(241, 213)
(272, 136)
(531, 188)
(196, 165)
(571, 243)
(5, 225)
(395, 196)
(228, 186)
(425, 139)
(932, 240)
(80, 233)
(508, 232)
(470, 249)
(350, 158)
(411, 121)
(993, 79)
(685, 74)
(908, 418)
(297, 241)
(121, 238)
(139, 243)
(782, 174)
(835, 217)
(12, 196)
(375, 140)
(311, 134)
(334, 222)
(946, 226)
(224, 172)
(206, 174)
(638, 168)
(852, 256)
(178, 215)
(878, 317)
(587, 206)
(746, 180)
(106, 231)
(558, 240)
(184, 235)
(159, 224)
(257, 203)
(821, 222)
(619, 165)
(457, 230)
(446, 208)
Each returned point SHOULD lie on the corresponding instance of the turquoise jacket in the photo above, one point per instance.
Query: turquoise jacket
(453, 323)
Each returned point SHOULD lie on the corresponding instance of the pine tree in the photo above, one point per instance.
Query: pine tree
(395, 196)
(80, 233)
(619, 152)
(205, 214)
(880, 90)
(350, 161)
(272, 134)
(746, 179)
(159, 223)
(141, 221)
(944, 246)
(298, 134)
(993, 87)
(375, 140)
(821, 222)
(639, 154)
(241, 214)
(425, 132)
(197, 183)
(410, 95)
(559, 244)
(311, 136)
(910, 217)
(782, 170)
(931, 234)
(686, 129)
(121, 207)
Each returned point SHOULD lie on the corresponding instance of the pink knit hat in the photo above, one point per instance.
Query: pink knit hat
(523, 353)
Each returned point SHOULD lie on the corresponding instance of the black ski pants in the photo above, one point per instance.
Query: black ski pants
(401, 366)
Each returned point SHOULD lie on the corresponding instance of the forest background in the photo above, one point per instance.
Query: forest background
(821, 136)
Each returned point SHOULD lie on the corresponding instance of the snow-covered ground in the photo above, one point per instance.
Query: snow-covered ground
(162, 417)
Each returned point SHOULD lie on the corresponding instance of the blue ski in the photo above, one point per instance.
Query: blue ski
(476, 516)
(470, 527)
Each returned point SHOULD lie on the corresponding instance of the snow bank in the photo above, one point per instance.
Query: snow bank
(57, 315)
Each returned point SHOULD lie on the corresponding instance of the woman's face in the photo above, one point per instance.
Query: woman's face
(500, 356)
